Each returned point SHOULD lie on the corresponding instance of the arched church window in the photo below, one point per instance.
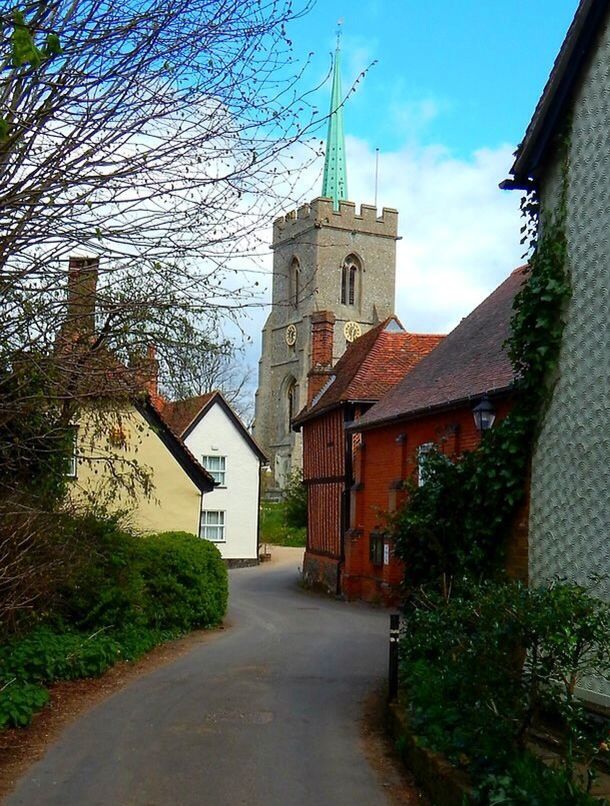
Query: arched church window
(350, 271)
(295, 283)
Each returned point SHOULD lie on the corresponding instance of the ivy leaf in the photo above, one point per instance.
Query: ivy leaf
(52, 45)
(23, 47)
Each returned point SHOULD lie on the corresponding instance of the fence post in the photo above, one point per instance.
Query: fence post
(393, 665)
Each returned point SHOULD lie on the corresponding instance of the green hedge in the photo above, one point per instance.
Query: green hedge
(481, 667)
(185, 581)
(129, 594)
(169, 581)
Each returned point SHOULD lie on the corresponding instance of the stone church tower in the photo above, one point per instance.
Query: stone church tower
(327, 256)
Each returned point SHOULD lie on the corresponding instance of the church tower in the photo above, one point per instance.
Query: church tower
(327, 257)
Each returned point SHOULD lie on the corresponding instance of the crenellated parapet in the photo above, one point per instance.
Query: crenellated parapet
(320, 214)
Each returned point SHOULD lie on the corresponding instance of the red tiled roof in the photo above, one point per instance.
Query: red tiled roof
(181, 413)
(149, 409)
(371, 365)
(469, 362)
(97, 374)
(184, 415)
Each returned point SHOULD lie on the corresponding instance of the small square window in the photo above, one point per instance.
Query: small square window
(213, 525)
(216, 467)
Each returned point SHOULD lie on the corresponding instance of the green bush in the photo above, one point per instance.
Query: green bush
(107, 590)
(19, 702)
(295, 501)
(169, 581)
(45, 655)
(185, 580)
(529, 782)
(480, 668)
(128, 595)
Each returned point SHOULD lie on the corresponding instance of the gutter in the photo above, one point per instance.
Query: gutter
(358, 426)
(557, 95)
(310, 415)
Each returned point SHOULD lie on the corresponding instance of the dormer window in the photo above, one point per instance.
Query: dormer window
(349, 277)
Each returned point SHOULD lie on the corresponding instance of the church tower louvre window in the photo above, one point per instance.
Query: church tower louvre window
(329, 255)
(350, 275)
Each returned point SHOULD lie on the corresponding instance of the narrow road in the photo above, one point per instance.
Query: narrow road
(265, 714)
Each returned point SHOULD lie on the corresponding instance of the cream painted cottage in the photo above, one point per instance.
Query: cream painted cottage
(217, 438)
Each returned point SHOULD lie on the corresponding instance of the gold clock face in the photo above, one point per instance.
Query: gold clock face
(291, 335)
(351, 331)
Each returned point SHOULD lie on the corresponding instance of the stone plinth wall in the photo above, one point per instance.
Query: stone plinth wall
(320, 572)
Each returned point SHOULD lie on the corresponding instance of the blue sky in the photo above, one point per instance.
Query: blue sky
(465, 73)
(455, 85)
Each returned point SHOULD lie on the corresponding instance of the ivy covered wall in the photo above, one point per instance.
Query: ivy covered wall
(570, 498)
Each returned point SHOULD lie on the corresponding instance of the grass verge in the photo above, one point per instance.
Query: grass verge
(274, 529)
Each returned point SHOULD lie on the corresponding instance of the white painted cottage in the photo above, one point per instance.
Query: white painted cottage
(216, 436)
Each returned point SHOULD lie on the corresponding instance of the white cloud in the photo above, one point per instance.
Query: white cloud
(412, 117)
(460, 233)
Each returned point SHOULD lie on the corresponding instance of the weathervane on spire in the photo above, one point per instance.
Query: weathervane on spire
(334, 182)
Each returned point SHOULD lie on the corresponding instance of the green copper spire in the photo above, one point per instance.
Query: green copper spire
(334, 184)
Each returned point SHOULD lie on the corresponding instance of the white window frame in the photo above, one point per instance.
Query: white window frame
(422, 451)
(205, 528)
(219, 474)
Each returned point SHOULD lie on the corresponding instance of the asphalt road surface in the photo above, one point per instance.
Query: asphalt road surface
(266, 714)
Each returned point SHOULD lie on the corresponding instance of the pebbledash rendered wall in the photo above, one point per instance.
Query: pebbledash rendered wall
(320, 238)
(570, 499)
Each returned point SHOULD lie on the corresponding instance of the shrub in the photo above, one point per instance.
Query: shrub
(529, 782)
(295, 501)
(170, 581)
(185, 580)
(45, 655)
(481, 667)
(19, 702)
(274, 529)
(127, 594)
(108, 590)
(38, 555)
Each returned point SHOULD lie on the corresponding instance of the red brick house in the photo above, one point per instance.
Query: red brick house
(337, 396)
(432, 405)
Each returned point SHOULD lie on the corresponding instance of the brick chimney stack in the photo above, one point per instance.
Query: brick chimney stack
(322, 339)
(82, 287)
(151, 382)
